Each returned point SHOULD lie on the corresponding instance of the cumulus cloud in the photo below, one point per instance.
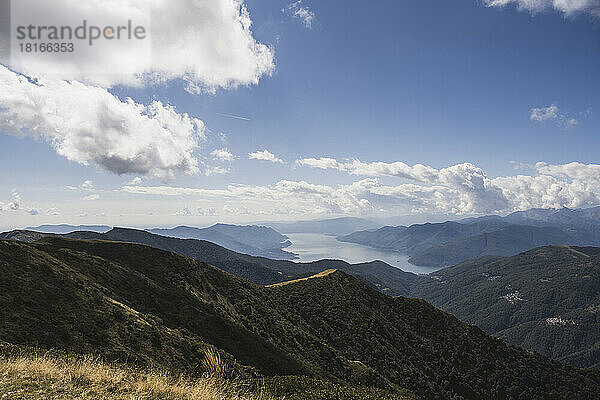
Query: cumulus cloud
(87, 185)
(300, 12)
(88, 124)
(320, 163)
(207, 44)
(65, 101)
(13, 204)
(588, 173)
(476, 193)
(265, 155)
(223, 155)
(466, 189)
(566, 7)
(33, 211)
(554, 114)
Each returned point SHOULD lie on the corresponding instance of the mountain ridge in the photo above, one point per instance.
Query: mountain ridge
(451, 242)
(259, 270)
(248, 239)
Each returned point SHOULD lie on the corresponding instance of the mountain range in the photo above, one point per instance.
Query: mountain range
(137, 304)
(449, 243)
(332, 226)
(248, 239)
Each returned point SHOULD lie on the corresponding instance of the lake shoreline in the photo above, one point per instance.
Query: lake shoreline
(316, 246)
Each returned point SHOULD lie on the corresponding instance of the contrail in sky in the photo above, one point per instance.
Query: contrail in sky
(234, 116)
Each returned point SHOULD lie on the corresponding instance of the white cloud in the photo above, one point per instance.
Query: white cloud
(554, 114)
(215, 170)
(91, 197)
(87, 185)
(566, 7)
(222, 155)
(298, 11)
(264, 155)
(284, 196)
(589, 173)
(33, 211)
(465, 189)
(320, 163)
(136, 181)
(545, 113)
(207, 44)
(14, 203)
(209, 212)
(184, 212)
(88, 124)
(64, 101)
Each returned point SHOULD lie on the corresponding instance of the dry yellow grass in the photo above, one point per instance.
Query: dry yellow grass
(47, 377)
(319, 275)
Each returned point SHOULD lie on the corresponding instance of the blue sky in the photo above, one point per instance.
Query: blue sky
(438, 83)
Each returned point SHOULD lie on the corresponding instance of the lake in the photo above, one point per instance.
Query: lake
(315, 246)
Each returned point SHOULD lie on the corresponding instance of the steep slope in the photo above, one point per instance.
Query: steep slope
(111, 297)
(507, 241)
(250, 239)
(546, 299)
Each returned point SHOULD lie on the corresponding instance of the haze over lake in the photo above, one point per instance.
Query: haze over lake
(315, 246)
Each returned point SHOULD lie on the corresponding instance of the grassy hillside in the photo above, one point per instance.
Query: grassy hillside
(31, 374)
(135, 304)
(27, 374)
(547, 299)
